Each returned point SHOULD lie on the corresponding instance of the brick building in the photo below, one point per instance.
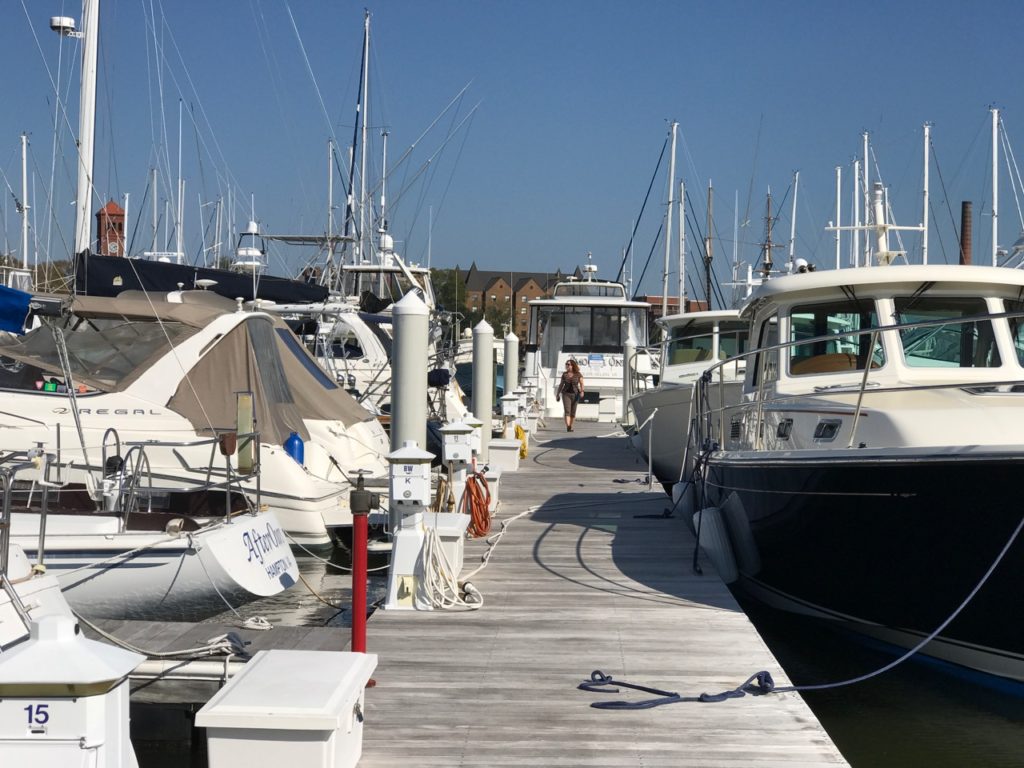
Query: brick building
(509, 291)
(110, 230)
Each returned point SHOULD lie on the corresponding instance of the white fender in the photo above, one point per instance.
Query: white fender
(684, 498)
(747, 555)
(714, 540)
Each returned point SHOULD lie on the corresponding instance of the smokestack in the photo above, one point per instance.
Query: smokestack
(965, 232)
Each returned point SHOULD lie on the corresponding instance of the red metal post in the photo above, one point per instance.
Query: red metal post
(359, 534)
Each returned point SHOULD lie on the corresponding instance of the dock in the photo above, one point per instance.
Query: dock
(595, 577)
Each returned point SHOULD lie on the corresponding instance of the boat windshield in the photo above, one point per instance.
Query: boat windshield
(101, 351)
(693, 343)
(586, 329)
(1016, 326)
(843, 349)
(956, 344)
(384, 287)
(590, 290)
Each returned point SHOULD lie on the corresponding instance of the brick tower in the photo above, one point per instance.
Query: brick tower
(110, 230)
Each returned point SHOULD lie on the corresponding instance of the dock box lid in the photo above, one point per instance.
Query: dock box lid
(291, 690)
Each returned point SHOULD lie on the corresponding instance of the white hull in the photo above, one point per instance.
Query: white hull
(156, 576)
(39, 593)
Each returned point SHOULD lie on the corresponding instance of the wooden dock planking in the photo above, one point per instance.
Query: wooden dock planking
(159, 637)
(594, 578)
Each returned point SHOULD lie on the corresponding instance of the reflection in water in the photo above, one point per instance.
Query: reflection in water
(323, 595)
(922, 713)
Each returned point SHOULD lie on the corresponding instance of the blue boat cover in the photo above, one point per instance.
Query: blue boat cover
(14, 309)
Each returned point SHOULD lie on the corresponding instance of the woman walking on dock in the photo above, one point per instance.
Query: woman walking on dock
(570, 388)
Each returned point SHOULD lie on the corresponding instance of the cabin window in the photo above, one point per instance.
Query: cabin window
(767, 360)
(1016, 326)
(841, 343)
(945, 340)
(101, 349)
(584, 329)
(693, 343)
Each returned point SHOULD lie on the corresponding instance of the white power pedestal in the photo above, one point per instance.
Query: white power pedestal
(64, 699)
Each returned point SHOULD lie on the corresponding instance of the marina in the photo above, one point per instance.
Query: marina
(593, 576)
(278, 489)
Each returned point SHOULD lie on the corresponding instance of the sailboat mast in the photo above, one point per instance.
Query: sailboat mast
(365, 109)
(86, 124)
(330, 199)
(766, 250)
(682, 247)
(866, 191)
(839, 211)
(24, 201)
(924, 212)
(178, 245)
(995, 184)
(855, 232)
(156, 211)
(668, 221)
(383, 179)
(792, 223)
(350, 195)
(707, 248)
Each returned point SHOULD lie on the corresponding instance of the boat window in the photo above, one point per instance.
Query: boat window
(105, 350)
(953, 344)
(343, 341)
(768, 336)
(1012, 306)
(733, 337)
(843, 348)
(590, 289)
(272, 375)
(693, 343)
(307, 362)
(585, 329)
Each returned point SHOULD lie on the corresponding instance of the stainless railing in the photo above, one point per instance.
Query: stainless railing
(711, 421)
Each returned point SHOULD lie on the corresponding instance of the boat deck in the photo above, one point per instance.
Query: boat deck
(594, 578)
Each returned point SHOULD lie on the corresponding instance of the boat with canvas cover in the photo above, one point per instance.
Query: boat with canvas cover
(171, 373)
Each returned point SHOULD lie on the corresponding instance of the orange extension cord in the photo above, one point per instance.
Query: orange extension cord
(477, 497)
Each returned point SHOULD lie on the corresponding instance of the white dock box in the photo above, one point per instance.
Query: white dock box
(290, 708)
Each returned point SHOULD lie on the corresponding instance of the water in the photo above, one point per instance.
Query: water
(165, 737)
(922, 713)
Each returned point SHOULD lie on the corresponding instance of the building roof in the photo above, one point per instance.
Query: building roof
(480, 279)
(111, 209)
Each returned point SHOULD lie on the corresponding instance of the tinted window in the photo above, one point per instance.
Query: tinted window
(841, 348)
(953, 344)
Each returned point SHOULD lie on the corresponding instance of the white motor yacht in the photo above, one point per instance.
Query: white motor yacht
(661, 426)
(588, 321)
(870, 472)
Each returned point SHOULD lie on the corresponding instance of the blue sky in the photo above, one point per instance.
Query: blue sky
(574, 102)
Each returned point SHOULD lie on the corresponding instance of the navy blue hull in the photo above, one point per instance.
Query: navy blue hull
(898, 544)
